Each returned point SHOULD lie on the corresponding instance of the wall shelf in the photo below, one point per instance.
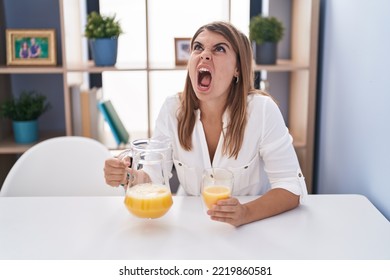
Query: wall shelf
(282, 66)
(8, 145)
(31, 70)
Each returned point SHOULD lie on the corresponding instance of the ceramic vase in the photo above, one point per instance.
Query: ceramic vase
(25, 132)
(104, 51)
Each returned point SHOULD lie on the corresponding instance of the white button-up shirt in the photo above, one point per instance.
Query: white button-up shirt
(267, 158)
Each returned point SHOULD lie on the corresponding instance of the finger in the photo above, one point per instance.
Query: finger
(226, 220)
(114, 171)
(229, 201)
(114, 166)
(114, 174)
(112, 180)
(127, 161)
(113, 183)
(221, 219)
(115, 163)
(223, 208)
(221, 214)
(116, 179)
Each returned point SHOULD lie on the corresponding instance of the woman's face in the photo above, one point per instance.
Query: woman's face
(212, 66)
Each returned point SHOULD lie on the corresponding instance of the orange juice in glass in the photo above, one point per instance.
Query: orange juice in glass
(148, 193)
(217, 183)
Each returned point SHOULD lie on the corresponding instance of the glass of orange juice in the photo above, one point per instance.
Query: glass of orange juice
(217, 183)
(148, 193)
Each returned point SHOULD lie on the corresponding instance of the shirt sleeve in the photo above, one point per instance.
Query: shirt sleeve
(278, 153)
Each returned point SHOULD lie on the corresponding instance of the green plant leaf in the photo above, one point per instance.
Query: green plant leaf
(265, 29)
(99, 26)
(30, 105)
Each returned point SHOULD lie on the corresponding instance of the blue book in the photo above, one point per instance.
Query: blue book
(112, 118)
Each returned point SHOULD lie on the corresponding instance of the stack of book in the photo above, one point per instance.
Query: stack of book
(89, 111)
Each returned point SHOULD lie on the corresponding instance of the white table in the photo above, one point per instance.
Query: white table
(323, 227)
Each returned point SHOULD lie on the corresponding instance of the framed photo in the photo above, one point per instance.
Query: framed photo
(182, 50)
(31, 47)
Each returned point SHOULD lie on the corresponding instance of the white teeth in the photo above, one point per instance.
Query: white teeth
(201, 70)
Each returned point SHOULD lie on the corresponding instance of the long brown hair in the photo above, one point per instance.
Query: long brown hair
(236, 103)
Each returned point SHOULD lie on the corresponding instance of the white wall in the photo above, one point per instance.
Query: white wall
(354, 136)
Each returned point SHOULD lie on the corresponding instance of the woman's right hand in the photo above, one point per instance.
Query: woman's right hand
(115, 171)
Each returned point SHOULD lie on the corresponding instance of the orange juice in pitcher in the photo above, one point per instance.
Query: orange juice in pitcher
(148, 200)
(148, 193)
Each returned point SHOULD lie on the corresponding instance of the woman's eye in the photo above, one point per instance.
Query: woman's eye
(220, 49)
(197, 47)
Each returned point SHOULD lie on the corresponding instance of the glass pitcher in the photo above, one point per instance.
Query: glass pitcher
(156, 145)
(148, 193)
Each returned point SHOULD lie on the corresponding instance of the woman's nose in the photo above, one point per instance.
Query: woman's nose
(206, 55)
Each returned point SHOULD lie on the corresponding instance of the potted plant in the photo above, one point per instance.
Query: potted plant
(24, 112)
(265, 33)
(102, 33)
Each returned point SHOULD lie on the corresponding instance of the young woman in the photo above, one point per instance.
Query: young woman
(221, 120)
(24, 50)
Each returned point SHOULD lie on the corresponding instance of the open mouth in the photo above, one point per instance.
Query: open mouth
(204, 78)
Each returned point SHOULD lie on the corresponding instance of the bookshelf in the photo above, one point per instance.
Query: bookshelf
(302, 69)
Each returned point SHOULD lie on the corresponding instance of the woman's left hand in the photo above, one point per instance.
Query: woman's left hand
(229, 211)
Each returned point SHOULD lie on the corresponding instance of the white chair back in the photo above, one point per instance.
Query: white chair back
(61, 166)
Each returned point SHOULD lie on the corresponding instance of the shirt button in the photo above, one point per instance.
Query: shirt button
(299, 174)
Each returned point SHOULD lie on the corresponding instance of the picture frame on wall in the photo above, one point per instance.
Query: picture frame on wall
(33, 47)
(182, 51)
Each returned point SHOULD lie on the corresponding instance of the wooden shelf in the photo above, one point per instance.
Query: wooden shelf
(89, 67)
(31, 70)
(282, 66)
(8, 145)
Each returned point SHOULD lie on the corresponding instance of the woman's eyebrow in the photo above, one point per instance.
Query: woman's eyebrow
(197, 43)
(216, 45)
(222, 44)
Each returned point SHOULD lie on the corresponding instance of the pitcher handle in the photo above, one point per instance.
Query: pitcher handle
(124, 153)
